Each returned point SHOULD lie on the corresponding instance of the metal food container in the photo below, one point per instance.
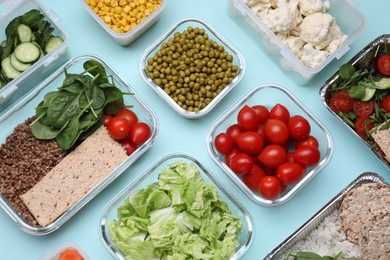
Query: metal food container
(269, 95)
(312, 223)
(127, 38)
(357, 59)
(151, 176)
(15, 89)
(348, 18)
(180, 26)
(26, 108)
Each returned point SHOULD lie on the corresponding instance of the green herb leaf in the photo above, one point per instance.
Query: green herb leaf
(357, 91)
(346, 71)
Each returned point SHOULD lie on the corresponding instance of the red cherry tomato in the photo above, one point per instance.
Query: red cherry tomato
(341, 101)
(241, 163)
(290, 173)
(298, 127)
(269, 187)
(276, 131)
(273, 155)
(262, 113)
(362, 126)
(233, 131)
(140, 133)
(385, 104)
(247, 119)
(363, 108)
(223, 143)
(307, 156)
(310, 141)
(128, 114)
(250, 142)
(279, 112)
(229, 156)
(118, 128)
(383, 64)
(128, 145)
(107, 120)
(252, 178)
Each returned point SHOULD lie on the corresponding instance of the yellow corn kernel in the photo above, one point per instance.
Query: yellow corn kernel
(127, 8)
(107, 19)
(106, 2)
(123, 2)
(117, 9)
(127, 28)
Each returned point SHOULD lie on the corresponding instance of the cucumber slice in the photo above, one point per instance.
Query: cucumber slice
(20, 66)
(9, 71)
(52, 43)
(24, 32)
(27, 52)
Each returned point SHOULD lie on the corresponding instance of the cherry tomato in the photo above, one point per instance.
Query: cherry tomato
(247, 119)
(362, 126)
(260, 131)
(276, 131)
(128, 145)
(223, 143)
(241, 163)
(341, 101)
(279, 112)
(118, 128)
(233, 131)
(229, 156)
(307, 156)
(250, 142)
(262, 113)
(140, 133)
(269, 187)
(107, 119)
(383, 64)
(385, 104)
(290, 173)
(252, 178)
(128, 114)
(298, 127)
(273, 155)
(363, 108)
(310, 141)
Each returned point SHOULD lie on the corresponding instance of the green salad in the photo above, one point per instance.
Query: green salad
(178, 217)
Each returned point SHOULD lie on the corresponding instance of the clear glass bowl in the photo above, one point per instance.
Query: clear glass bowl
(150, 176)
(180, 26)
(269, 95)
(26, 108)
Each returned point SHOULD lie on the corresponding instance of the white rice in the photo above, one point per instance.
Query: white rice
(328, 239)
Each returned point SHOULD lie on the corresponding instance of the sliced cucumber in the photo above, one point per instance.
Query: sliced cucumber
(27, 52)
(52, 43)
(24, 32)
(20, 66)
(9, 71)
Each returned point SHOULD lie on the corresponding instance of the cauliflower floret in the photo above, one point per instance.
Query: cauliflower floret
(308, 7)
(312, 57)
(337, 38)
(283, 17)
(315, 29)
(251, 3)
(261, 8)
(294, 43)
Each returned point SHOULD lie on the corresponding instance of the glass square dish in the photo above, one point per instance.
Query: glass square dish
(362, 60)
(26, 108)
(269, 95)
(180, 27)
(127, 38)
(151, 176)
(15, 89)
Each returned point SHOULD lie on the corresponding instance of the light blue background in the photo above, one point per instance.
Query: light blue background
(272, 225)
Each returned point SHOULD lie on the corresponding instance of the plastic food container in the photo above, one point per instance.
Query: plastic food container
(348, 18)
(357, 59)
(125, 39)
(26, 108)
(312, 223)
(269, 95)
(180, 26)
(55, 254)
(150, 176)
(26, 81)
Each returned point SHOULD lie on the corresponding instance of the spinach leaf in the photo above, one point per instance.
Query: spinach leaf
(43, 131)
(68, 136)
(62, 108)
(97, 70)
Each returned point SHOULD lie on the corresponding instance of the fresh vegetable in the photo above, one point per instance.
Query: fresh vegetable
(119, 128)
(223, 143)
(139, 133)
(28, 38)
(383, 64)
(279, 112)
(298, 127)
(241, 163)
(179, 216)
(269, 187)
(70, 254)
(250, 142)
(303, 255)
(76, 108)
(276, 131)
(247, 119)
(290, 173)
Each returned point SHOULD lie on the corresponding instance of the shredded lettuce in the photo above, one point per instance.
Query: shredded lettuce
(178, 217)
